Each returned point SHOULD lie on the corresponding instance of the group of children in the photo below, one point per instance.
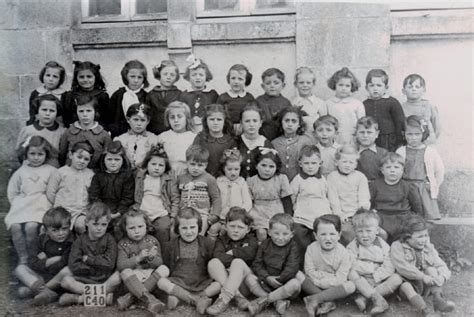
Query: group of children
(198, 194)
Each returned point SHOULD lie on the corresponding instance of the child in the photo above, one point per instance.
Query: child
(292, 140)
(233, 254)
(236, 98)
(85, 129)
(326, 264)
(392, 197)
(348, 189)
(198, 74)
(414, 87)
(27, 197)
(46, 109)
(187, 256)
(156, 192)
(424, 169)
(305, 81)
(385, 109)
(418, 262)
(113, 184)
(346, 109)
(92, 258)
(68, 186)
(272, 102)
(250, 140)
(176, 140)
(372, 272)
(276, 278)
(370, 154)
(135, 78)
(52, 76)
(232, 187)
(325, 133)
(310, 191)
(270, 191)
(137, 141)
(216, 136)
(139, 262)
(45, 270)
(86, 82)
(162, 95)
(198, 189)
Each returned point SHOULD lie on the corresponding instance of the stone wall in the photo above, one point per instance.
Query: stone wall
(326, 36)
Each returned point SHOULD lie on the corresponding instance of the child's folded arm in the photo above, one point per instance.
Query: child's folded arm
(123, 260)
(363, 193)
(402, 266)
(220, 253)
(215, 196)
(333, 196)
(108, 258)
(292, 264)
(127, 197)
(53, 186)
(258, 266)
(247, 253)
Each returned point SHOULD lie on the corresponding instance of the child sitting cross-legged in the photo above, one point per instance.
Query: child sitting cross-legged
(44, 271)
(234, 251)
(276, 277)
(372, 272)
(418, 262)
(92, 258)
(326, 265)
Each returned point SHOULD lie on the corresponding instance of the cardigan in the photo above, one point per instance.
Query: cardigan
(170, 252)
(159, 98)
(388, 113)
(129, 249)
(118, 124)
(245, 249)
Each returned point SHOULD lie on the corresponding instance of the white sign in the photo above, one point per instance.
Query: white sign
(94, 295)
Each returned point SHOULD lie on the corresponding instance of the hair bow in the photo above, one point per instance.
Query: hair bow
(234, 153)
(195, 62)
(266, 150)
(158, 149)
(27, 142)
(423, 124)
(141, 110)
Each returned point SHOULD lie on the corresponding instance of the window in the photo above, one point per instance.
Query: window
(213, 8)
(123, 10)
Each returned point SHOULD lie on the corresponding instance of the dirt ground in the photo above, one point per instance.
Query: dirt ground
(460, 289)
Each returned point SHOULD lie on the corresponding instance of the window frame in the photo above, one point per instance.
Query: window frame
(128, 13)
(247, 8)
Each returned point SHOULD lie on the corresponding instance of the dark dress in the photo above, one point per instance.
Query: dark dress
(70, 106)
(215, 146)
(159, 99)
(118, 124)
(234, 105)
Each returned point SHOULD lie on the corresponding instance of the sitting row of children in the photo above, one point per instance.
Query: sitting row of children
(192, 269)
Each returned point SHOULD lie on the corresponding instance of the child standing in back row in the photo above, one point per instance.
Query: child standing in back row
(325, 133)
(346, 109)
(385, 109)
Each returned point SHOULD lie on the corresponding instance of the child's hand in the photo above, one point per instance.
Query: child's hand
(42, 256)
(116, 215)
(428, 280)
(53, 260)
(212, 219)
(230, 252)
(273, 282)
(438, 280)
(84, 258)
(143, 254)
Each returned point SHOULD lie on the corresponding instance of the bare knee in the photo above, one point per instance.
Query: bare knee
(15, 229)
(163, 271)
(126, 274)
(349, 287)
(293, 285)
(31, 228)
(215, 264)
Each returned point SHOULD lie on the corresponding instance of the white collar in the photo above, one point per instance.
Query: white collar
(234, 95)
(43, 91)
(78, 125)
(252, 144)
(372, 148)
(385, 96)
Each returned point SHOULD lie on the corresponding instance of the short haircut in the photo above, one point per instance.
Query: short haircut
(82, 146)
(39, 100)
(57, 217)
(139, 108)
(343, 73)
(252, 106)
(238, 213)
(415, 121)
(283, 219)
(179, 105)
(158, 151)
(166, 63)
(132, 212)
(378, 73)
(98, 210)
(346, 149)
(367, 122)
(273, 71)
(53, 64)
(240, 68)
(202, 65)
(115, 147)
(410, 225)
(327, 219)
(304, 70)
(299, 113)
(308, 151)
(39, 142)
(267, 153)
(327, 120)
(363, 216)
(197, 153)
(82, 100)
(410, 79)
(134, 64)
(392, 157)
(187, 213)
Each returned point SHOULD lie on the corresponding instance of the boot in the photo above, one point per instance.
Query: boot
(281, 306)
(202, 304)
(172, 302)
(45, 296)
(442, 305)
(24, 292)
(311, 304)
(361, 302)
(242, 302)
(67, 299)
(326, 307)
(125, 301)
(152, 304)
(379, 304)
(257, 305)
(219, 307)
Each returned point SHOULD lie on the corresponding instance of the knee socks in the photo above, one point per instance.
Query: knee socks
(134, 286)
(389, 286)
(291, 288)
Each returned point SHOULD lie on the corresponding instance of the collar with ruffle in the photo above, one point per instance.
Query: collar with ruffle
(226, 138)
(239, 95)
(54, 127)
(57, 91)
(76, 128)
